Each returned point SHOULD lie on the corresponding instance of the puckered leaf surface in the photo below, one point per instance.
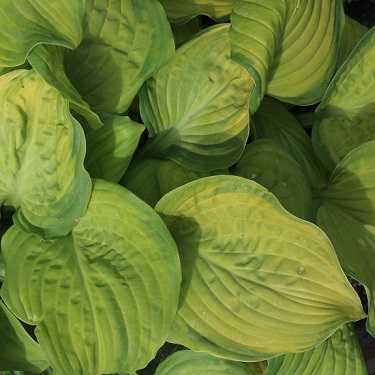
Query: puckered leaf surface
(347, 215)
(195, 107)
(18, 350)
(124, 42)
(340, 354)
(26, 23)
(42, 156)
(186, 362)
(257, 281)
(103, 297)
(346, 115)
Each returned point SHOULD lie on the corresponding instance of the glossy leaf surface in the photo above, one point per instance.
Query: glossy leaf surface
(257, 281)
(195, 107)
(42, 156)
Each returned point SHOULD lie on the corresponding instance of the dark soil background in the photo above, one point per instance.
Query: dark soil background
(364, 12)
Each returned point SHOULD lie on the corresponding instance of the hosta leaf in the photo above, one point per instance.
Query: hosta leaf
(340, 354)
(305, 59)
(103, 297)
(182, 33)
(111, 147)
(186, 362)
(347, 215)
(274, 121)
(18, 350)
(183, 11)
(270, 165)
(257, 281)
(124, 42)
(42, 156)
(28, 23)
(195, 107)
(48, 61)
(256, 31)
(150, 179)
(347, 112)
(352, 34)
(289, 47)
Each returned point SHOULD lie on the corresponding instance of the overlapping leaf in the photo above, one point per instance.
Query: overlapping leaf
(274, 121)
(347, 215)
(346, 116)
(18, 350)
(289, 47)
(150, 179)
(124, 42)
(111, 147)
(257, 281)
(352, 34)
(42, 156)
(256, 31)
(340, 354)
(195, 107)
(186, 362)
(182, 11)
(48, 61)
(305, 60)
(28, 23)
(270, 165)
(103, 297)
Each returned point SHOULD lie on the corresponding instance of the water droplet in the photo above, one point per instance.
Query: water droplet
(254, 175)
(301, 270)
(284, 183)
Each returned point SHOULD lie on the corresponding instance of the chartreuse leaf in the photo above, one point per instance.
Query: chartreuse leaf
(340, 354)
(150, 179)
(182, 11)
(28, 23)
(104, 296)
(270, 165)
(274, 121)
(182, 33)
(48, 61)
(256, 31)
(185, 362)
(305, 59)
(347, 215)
(111, 147)
(352, 34)
(257, 281)
(18, 350)
(42, 156)
(289, 47)
(195, 107)
(124, 42)
(345, 117)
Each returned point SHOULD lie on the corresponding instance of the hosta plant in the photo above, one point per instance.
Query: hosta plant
(159, 184)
